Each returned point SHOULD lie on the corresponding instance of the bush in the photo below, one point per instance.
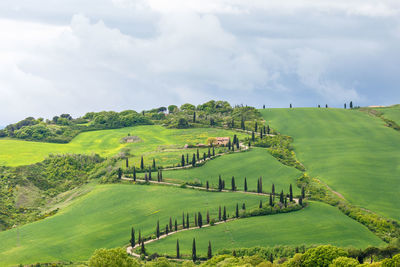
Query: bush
(344, 262)
(116, 257)
(322, 256)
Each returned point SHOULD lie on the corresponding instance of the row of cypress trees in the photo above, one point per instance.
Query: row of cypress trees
(194, 251)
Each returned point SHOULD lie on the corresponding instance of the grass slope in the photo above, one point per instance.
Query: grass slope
(103, 218)
(107, 142)
(391, 113)
(251, 164)
(317, 224)
(351, 151)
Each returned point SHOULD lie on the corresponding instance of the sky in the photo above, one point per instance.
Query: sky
(73, 56)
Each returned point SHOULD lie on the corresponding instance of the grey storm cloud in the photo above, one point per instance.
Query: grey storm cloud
(78, 56)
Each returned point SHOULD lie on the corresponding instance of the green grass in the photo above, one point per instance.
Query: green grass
(251, 164)
(391, 113)
(351, 151)
(103, 218)
(155, 139)
(317, 224)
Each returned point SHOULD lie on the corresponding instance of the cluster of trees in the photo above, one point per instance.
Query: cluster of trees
(195, 158)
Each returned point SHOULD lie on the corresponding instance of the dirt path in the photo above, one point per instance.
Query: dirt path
(130, 251)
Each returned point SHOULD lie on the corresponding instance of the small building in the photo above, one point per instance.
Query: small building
(222, 141)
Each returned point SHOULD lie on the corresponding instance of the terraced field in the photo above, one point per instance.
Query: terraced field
(351, 151)
(103, 219)
(251, 164)
(154, 141)
(317, 224)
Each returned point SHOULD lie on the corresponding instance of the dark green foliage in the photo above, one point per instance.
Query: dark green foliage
(198, 154)
(224, 214)
(281, 197)
(187, 220)
(301, 201)
(119, 173)
(141, 163)
(253, 138)
(127, 162)
(150, 173)
(158, 230)
(177, 249)
(194, 116)
(132, 240)
(187, 158)
(166, 229)
(154, 164)
(183, 160)
(140, 237)
(170, 224)
(195, 220)
(142, 248)
(273, 190)
(199, 220)
(303, 194)
(134, 174)
(176, 225)
(183, 220)
(290, 193)
(194, 160)
(213, 152)
(243, 206)
(209, 250)
(245, 184)
(271, 203)
(194, 255)
(242, 125)
(255, 128)
(204, 156)
(219, 183)
(207, 185)
(208, 217)
(233, 184)
(209, 153)
(351, 104)
(219, 213)
(237, 210)
(260, 205)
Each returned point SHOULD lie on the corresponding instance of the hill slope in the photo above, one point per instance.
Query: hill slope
(352, 152)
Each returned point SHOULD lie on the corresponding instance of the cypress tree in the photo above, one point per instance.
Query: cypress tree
(301, 201)
(207, 185)
(233, 184)
(198, 154)
(245, 184)
(285, 201)
(150, 173)
(160, 175)
(187, 158)
(260, 205)
(271, 258)
(194, 160)
(223, 184)
(134, 173)
(345, 106)
(326, 105)
(319, 106)
(170, 224)
(183, 220)
(204, 156)
(177, 249)
(209, 251)
(187, 221)
(290, 105)
(303, 193)
(273, 190)
(213, 153)
(270, 200)
(290, 193)
(132, 241)
(194, 256)
(229, 144)
(224, 215)
(249, 144)
(252, 136)
(194, 116)
(261, 189)
(145, 177)
(281, 197)
(243, 206)
(219, 183)
(142, 248)
(119, 173)
(127, 162)
(268, 129)
(234, 139)
(255, 127)
(208, 217)
(200, 220)
(183, 160)
(264, 130)
(258, 186)
(209, 153)
(195, 220)
(263, 106)
(141, 164)
(140, 238)
(261, 134)
(154, 164)
(233, 123)
(166, 229)
(233, 148)
(351, 104)
(237, 210)
(219, 213)
(158, 230)
(237, 144)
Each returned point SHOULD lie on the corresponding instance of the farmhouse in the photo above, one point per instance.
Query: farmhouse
(222, 141)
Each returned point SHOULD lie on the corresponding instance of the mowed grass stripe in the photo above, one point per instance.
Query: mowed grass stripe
(251, 164)
(103, 219)
(317, 224)
(107, 143)
(351, 151)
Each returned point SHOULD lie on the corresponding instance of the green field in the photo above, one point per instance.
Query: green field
(391, 113)
(317, 224)
(351, 151)
(251, 164)
(155, 140)
(103, 218)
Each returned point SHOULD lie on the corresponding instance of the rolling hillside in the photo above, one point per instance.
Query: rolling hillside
(351, 151)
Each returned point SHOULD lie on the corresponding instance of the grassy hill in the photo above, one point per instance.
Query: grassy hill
(251, 164)
(391, 113)
(103, 219)
(154, 140)
(316, 224)
(351, 151)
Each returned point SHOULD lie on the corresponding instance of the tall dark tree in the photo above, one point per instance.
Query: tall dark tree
(351, 104)
(183, 160)
(150, 173)
(244, 206)
(224, 214)
(199, 220)
(178, 255)
(207, 185)
(134, 173)
(290, 193)
(345, 106)
(183, 220)
(249, 144)
(245, 184)
(273, 190)
(194, 160)
(209, 251)
(158, 230)
(127, 162)
(237, 210)
(161, 175)
(255, 127)
(237, 144)
(303, 193)
(290, 106)
(194, 116)
(145, 177)
(194, 256)
(195, 220)
(252, 137)
(142, 248)
(187, 158)
(132, 241)
(219, 213)
(234, 139)
(158, 176)
(260, 182)
(154, 164)
(187, 221)
(301, 201)
(264, 130)
(281, 197)
(270, 201)
(223, 184)
(261, 134)
(326, 105)
(166, 229)
(233, 123)
(119, 173)
(208, 217)
(260, 205)
(170, 224)
(140, 238)
(204, 156)
(198, 154)
(213, 152)
(229, 144)
(319, 106)
(268, 129)
(233, 184)
(258, 186)
(285, 199)
(141, 163)
(263, 106)
(219, 183)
